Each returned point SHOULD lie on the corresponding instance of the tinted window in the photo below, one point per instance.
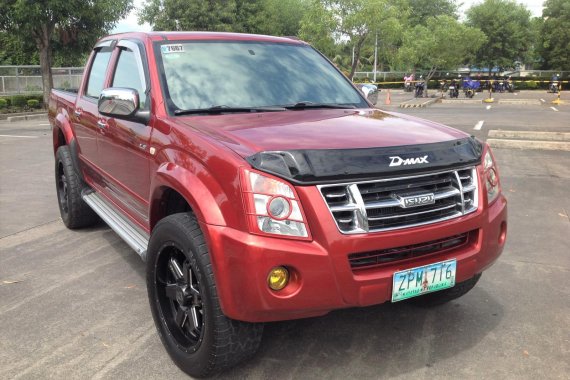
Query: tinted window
(97, 74)
(128, 74)
(237, 74)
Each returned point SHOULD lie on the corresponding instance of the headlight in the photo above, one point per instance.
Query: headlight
(272, 206)
(491, 177)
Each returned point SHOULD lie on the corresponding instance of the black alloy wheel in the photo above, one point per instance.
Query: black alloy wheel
(62, 190)
(75, 213)
(183, 297)
(179, 297)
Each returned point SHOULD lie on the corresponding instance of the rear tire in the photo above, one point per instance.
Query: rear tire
(74, 212)
(184, 302)
(444, 296)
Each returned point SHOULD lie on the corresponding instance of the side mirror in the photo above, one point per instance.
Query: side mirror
(119, 102)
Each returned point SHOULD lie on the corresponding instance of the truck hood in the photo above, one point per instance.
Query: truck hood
(319, 129)
(312, 146)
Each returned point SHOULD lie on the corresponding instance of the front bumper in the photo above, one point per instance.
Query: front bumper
(322, 279)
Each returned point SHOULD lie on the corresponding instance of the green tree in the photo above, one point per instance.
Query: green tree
(352, 22)
(443, 43)
(199, 15)
(274, 17)
(280, 17)
(14, 51)
(421, 10)
(555, 37)
(507, 26)
(72, 24)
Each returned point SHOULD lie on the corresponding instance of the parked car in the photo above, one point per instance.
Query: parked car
(260, 185)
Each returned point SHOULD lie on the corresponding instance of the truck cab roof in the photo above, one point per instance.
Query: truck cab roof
(201, 36)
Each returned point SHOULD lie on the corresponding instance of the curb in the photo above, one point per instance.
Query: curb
(5, 116)
(530, 135)
(38, 116)
(535, 102)
(461, 101)
(418, 105)
(530, 144)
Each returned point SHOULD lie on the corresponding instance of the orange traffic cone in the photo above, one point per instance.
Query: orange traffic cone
(388, 101)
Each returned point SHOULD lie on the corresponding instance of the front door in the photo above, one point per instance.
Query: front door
(124, 145)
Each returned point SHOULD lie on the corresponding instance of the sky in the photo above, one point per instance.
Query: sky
(130, 23)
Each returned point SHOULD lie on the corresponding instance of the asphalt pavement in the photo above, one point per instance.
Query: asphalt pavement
(73, 304)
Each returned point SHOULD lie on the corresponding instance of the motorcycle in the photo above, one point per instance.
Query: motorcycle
(470, 86)
(499, 86)
(510, 86)
(553, 87)
(420, 85)
(443, 86)
(453, 90)
(408, 80)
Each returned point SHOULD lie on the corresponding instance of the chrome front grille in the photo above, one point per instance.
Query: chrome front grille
(378, 205)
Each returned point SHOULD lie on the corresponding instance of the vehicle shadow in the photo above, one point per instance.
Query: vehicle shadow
(374, 342)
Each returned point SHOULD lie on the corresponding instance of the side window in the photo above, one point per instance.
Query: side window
(128, 74)
(97, 73)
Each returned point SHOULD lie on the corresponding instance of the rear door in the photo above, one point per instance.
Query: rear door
(124, 145)
(86, 116)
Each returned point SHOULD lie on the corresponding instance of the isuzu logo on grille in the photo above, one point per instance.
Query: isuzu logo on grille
(397, 161)
(416, 200)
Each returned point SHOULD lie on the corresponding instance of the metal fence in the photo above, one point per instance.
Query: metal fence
(28, 79)
(386, 76)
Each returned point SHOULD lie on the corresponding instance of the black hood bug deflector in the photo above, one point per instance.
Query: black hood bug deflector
(319, 166)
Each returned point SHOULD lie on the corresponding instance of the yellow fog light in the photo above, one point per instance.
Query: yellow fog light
(278, 278)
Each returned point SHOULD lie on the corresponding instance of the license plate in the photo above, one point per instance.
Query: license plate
(421, 280)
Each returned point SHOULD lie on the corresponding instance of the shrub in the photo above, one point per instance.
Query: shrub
(18, 100)
(33, 103)
(531, 85)
(3, 103)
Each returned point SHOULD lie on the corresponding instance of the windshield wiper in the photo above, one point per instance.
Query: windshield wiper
(304, 105)
(223, 109)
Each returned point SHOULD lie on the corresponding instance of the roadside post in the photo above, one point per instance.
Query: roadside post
(490, 98)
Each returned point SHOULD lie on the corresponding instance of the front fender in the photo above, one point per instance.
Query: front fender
(197, 187)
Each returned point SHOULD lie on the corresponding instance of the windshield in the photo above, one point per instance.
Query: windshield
(199, 75)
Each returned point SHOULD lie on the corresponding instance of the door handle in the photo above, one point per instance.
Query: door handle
(101, 124)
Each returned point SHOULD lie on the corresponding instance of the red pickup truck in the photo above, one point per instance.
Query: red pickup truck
(259, 184)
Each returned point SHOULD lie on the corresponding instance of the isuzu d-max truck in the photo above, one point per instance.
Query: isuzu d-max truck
(259, 184)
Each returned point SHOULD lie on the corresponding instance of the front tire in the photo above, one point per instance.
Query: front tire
(74, 212)
(444, 296)
(184, 302)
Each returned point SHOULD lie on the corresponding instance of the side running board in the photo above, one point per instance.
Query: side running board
(132, 235)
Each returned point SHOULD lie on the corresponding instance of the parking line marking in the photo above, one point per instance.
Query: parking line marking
(44, 124)
(489, 107)
(542, 100)
(479, 125)
(554, 109)
(20, 137)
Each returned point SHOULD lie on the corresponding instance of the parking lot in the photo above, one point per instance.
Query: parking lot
(73, 304)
